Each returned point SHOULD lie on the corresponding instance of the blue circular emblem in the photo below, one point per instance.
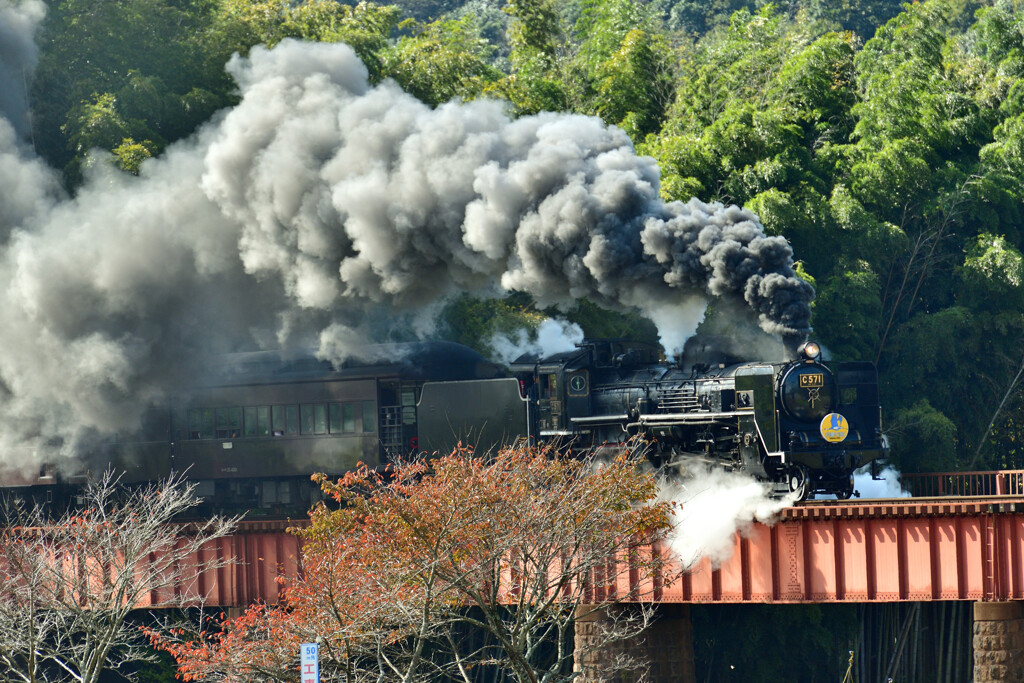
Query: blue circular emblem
(834, 427)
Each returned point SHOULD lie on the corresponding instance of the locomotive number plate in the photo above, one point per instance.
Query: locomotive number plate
(814, 380)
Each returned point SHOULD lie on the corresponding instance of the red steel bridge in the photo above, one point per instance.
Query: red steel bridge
(960, 537)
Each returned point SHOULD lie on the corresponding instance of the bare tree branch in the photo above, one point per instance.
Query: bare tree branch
(69, 585)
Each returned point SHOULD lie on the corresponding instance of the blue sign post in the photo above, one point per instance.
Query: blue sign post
(310, 654)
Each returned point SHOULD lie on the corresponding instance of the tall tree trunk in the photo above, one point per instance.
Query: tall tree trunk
(995, 415)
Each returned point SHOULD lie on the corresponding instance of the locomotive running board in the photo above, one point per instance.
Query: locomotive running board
(666, 419)
(597, 419)
(658, 419)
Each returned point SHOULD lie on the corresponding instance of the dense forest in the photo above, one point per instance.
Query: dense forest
(884, 141)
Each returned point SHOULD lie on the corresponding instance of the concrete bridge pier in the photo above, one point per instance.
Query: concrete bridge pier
(998, 641)
(664, 651)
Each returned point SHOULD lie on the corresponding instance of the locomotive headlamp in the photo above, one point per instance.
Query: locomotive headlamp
(810, 350)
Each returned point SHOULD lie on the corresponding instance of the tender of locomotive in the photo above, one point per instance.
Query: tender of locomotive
(803, 425)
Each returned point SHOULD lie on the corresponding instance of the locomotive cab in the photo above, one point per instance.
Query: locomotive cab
(561, 389)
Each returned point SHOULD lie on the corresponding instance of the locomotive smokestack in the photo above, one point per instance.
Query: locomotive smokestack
(320, 205)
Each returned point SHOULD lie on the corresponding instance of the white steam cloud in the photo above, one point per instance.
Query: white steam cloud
(886, 486)
(552, 336)
(713, 505)
(313, 210)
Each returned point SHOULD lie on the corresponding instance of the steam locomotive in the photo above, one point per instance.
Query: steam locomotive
(804, 425)
(253, 435)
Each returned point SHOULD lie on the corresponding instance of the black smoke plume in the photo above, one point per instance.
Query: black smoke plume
(321, 205)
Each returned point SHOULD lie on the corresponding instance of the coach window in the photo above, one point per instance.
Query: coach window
(369, 416)
(229, 423)
(285, 420)
(334, 418)
(408, 407)
(249, 420)
(257, 421)
(348, 418)
(307, 418)
(314, 418)
(200, 423)
(277, 422)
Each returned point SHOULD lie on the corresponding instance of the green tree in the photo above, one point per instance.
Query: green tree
(110, 70)
(153, 70)
(474, 322)
(429, 10)
(860, 234)
(847, 311)
(862, 17)
(818, 83)
(441, 61)
(1004, 448)
(755, 103)
(95, 123)
(366, 26)
(622, 68)
(992, 275)
(962, 362)
(597, 322)
(131, 154)
(537, 53)
(922, 439)
(634, 84)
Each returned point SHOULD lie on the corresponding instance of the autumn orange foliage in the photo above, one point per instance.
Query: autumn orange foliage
(415, 558)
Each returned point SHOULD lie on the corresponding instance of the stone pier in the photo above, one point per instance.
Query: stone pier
(998, 641)
(664, 651)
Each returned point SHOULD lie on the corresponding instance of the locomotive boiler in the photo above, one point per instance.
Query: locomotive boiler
(803, 425)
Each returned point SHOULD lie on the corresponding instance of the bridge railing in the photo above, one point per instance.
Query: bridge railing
(1000, 483)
